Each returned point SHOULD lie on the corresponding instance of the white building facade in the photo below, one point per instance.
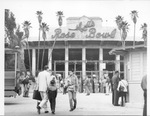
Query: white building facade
(82, 46)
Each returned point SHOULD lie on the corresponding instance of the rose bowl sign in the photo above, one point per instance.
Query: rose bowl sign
(88, 28)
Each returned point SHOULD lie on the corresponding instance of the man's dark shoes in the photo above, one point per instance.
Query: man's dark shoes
(38, 103)
(53, 112)
(74, 107)
(117, 105)
(71, 109)
(38, 109)
(46, 111)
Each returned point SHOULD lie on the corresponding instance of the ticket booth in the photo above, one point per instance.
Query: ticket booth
(135, 65)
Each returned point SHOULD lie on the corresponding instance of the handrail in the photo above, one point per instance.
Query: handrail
(100, 61)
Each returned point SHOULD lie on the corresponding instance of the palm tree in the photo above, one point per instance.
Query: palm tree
(119, 20)
(21, 43)
(144, 34)
(26, 27)
(18, 42)
(60, 15)
(10, 24)
(134, 15)
(44, 27)
(39, 14)
(13, 39)
(125, 27)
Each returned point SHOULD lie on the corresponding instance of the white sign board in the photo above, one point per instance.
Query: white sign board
(103, 66)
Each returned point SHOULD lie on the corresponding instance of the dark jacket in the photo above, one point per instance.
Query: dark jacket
(115, 81)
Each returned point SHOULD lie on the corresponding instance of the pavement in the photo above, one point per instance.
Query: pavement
(95, 104)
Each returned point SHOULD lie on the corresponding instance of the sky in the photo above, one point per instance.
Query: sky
(107, 10)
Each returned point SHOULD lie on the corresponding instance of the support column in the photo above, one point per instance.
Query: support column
(117, 63)
(33, 62)
(66, 60)
(50, 60)
(101, 63)
(83, 62)
(100, 68)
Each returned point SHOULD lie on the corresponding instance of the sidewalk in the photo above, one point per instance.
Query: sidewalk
(95, 104)
(98, 104)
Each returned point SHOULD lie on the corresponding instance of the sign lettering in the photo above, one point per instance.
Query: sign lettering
(82, 28)
(59, 34)
(93, 34)
(89, 27)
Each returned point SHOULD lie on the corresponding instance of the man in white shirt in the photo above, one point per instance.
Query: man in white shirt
(42, 83)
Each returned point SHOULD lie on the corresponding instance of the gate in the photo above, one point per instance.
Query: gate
(92, 69)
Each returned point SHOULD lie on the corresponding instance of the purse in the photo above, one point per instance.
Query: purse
(121, 89)
(36, 95)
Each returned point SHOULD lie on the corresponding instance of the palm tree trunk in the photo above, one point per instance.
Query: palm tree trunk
(38, 51)
(21, 64)
(145, 42)
(124, 44)
(29, 56)
(43, 56)
(134, 36)
(121, 38)
(52, 49)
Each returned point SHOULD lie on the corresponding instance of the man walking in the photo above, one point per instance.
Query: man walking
(72, 85)
(115, 93)
(42, 83)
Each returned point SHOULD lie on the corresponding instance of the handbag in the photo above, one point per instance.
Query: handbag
(36, 95)
(65, 89)
(121, 88)
(25, 81)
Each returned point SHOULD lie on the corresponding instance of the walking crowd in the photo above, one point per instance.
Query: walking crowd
(48, 85)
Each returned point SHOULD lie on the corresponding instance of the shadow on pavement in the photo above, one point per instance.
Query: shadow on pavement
(11, 103)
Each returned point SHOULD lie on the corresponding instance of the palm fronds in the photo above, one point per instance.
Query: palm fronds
(134, 16)
(39, 14)
(144, 34)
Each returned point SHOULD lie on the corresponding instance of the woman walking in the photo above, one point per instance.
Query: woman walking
(52, 94)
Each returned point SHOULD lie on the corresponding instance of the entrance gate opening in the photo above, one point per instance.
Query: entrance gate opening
(94, 66)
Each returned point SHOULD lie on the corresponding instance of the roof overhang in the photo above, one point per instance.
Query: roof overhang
(124, 50)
